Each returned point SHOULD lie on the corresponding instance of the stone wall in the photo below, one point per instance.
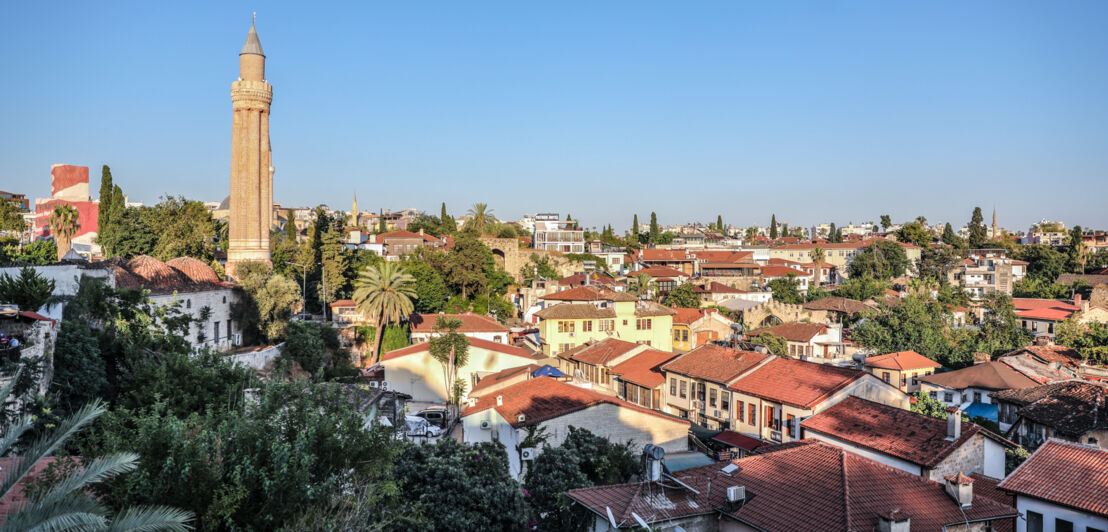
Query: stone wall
(969, 458)
(787, 313)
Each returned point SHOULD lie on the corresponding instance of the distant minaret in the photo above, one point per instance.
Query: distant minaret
(354, 211)
(996, 234)
(251, 159)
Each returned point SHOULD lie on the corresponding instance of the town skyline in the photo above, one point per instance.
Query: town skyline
(407, 137)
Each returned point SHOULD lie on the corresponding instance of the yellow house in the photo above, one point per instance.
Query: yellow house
(568, 323)
(836, 254)
(413, 371)
(902, 369)
(693, 327)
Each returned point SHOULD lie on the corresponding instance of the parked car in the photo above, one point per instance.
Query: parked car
(436, 415)
(419, 427)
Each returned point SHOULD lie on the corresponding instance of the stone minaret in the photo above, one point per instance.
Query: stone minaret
(996, 231)
(251, 159)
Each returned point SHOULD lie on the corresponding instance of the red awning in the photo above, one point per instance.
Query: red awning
(734, 439)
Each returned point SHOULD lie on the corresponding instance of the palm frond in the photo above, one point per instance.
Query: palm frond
(79, 512)
(46, 445)
(99, 469)
(151, 518)
(14, 432)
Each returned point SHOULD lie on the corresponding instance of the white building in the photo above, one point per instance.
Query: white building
(1061, 488)
(554, 234)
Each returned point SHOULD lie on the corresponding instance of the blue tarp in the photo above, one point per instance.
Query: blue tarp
(547, 371)
(986, 411)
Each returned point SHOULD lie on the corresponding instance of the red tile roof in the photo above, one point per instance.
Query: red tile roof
(664, 255)
(579, 280)
(589, 293)
(1072, 407)
(600, 353)
(989, 375)
(1067, 356)
(658, 272)
(782, 262)
(499, 377)
(543, 398)
(793, 332)
(1044, 309)
(916, 438)
(902, 360)
(644, 369)
(343, 303)
(796, 382)
(473, 342)
(718, 288)
(471, 323)
(811, 486)
(734, 257)
(1052, 474)
(782, 271)
(715, 363)
(686, 316)
(734, 439)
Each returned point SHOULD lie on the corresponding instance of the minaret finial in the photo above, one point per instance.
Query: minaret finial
(255, 19)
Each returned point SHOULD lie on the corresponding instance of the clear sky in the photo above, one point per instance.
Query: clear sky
(815, 111)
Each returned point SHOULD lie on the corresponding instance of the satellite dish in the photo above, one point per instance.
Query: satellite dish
(640, 521)
(611, 518)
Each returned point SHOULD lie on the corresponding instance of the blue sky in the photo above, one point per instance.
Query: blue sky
(816, 111)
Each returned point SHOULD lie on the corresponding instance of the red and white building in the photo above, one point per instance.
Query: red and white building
(69, 186)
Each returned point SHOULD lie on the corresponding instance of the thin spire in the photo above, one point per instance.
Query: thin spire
(253, 45)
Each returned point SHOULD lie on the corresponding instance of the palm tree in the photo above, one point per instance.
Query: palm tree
(818, 256)
(385, 292)
(480, 217)
(67, 505)
(64, 222)
(643, 285)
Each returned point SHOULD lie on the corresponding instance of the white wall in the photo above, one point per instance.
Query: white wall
(191, 303)
(498, 337)
(421, 376)
(994, 458)
(1081, 521)
(66, 279)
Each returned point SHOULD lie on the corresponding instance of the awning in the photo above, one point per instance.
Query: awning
(983, 410)
(734, 439)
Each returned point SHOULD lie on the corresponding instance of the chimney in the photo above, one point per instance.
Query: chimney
(500, 400)
(960, 488)
(894, 521)
(953, 423)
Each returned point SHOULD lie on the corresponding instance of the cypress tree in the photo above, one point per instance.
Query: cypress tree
(290, 227)
(773, 226)
(634, 236)
(119, 204)
(719, 222)
(831, 234)
(105, 208)
(382, 226)
(654, 232)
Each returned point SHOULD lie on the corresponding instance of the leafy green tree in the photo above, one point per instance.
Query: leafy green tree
(978, 234)
(539, 266)
(186, 229)
(861, 288)
(773, 226)
(265, 301)
(655, 232)
(482, 495)
(11, 217)
(776, 344)
(304, 344)
(67, 504)
(920, 325)
(335, 260)
(786, 289)
(951, 238)
(881, 259)
(39, 252)
(914, 233)
(384, 293)
(449, 226)
(80, 376)
(684, 296)
(430, 288)
(928, 406)
(1000, 330)
(184, 381)
(886, 222)
(1089, 339)
(1078, 251)
(1044, 262)
(290, 227)
(30, 291)
(464, 267)
(935, 264)
(552, 474)
(643, 286)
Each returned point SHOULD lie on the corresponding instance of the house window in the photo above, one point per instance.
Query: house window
(725, 401)
(700, 391)
(885, 377)
(684, 389)
(753, 414)
(624, 323)
(676, 335)
(586, 326)
(934, 395)
(673, 386)
(915, 379)
(792, 421)
(712, 398)
(1061, 525)
(1050, 330)
(188, 303)
(740, 410)
(685, 336)
(216, 335)
(977, 397)
(767, 418)
(948, 397)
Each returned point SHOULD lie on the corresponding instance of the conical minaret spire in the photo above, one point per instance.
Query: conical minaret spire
(253, 44)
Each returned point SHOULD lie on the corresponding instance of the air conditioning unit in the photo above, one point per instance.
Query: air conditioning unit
(384, 385)
(486, 425)
(736, 493)
(775, 435)
(527, 453)
(374, 384)
(696, 404)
